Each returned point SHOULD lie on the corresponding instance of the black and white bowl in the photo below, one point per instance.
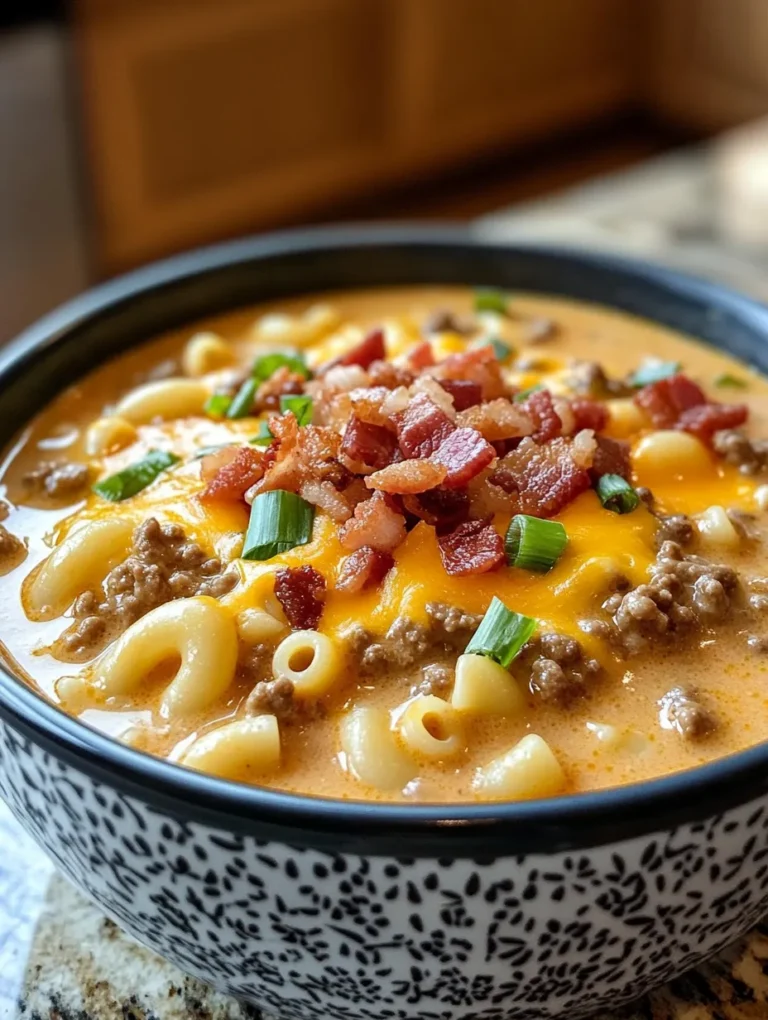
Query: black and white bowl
(311, 907)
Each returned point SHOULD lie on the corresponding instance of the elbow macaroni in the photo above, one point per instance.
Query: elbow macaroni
(528, 771)
(232, 751)
(430, 728)
(108, 435)
(484, 687)
(198, 632)
(166, 398)
(312, 661)
(204, 353)
(716, 528)
(372, 752)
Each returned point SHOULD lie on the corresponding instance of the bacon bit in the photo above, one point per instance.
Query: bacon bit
(705, 420)
(301, 591)
(546, 420)
(479, 365)
(465, 393)
(212, 463)
(375, 523)
(474, 547)
(365, 447)
(588, 414)
(367, 404)
(583, 448)
(486, 499)
(325, 495)
(234, 478)
(407, 477)
(384, 373)
(544, 478)
(420, 356)
(664, 401)
(364, 568)
(611, 458)
(497, 419)
(439, 507)
(281, 383)
(302, 455)
(422, 427)
(464, 454)
(342, 378)
(371, 348)
(436, 393)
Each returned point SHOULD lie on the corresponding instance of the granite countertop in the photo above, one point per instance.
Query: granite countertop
(61, 959)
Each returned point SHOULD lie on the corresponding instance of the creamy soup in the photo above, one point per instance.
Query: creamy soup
(412, 544)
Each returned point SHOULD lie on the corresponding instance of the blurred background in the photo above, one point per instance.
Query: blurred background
(131, 129)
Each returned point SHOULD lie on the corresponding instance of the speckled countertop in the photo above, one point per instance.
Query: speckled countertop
(61, 959)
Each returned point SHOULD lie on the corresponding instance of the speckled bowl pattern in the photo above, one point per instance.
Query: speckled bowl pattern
(358, 910)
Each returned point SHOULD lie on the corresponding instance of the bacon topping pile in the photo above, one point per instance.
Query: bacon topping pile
(365, 568)
(678, 403)
(301, 591)
(474, 547)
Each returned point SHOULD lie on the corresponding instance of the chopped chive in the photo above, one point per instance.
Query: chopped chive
(534, 544)
(501, 634)
(523, 395)
(654, 371)
(217, 405)
(616, 494)
(301, 407)
(726, 379)
(491, 301)
(265, 366)
(242, 403)
(279, 521)
(500, 349)
(263, 437)
(135, 477)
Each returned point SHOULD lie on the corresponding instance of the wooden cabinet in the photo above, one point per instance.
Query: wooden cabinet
(204, 118)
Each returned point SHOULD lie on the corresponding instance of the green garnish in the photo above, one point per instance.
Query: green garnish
(242, 402)
(300, 406)
(726, 379)
(279, 521)
(135, 477)
(523, 395)
(265, 366)
(217, 405)
(500, 349)
(534, 544)
(654, 371)
(263, 437)
(501, 634)
(616, 494)
(491, 301)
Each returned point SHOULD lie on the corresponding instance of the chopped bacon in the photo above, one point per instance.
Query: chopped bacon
(465, 393)
(664, 401)
(375, 523)
(497, 419)
(422, 427)
(409, 476)
(364, 568)
(464, 454)
(367, 403)
(544, 479)
(213, 462)
(325, 495)
(705, 420)
(301, 591)
(474, 547)
(282, 382)
(479, 365)
(302, 455)
(545, 418)
(583, 448)
(420, 356)
(589, 414)
(233, 479)
(439, 507)
(436, 393)
(384, 373)
(371, 348)
(342, 379)
(611, 458)
(365, 447)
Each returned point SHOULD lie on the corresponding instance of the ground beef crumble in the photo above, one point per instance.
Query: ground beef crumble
(558, 667)
(682, 709)
(750, 456)
(57, 479)
(163, 565)
(12, 549)
(436, 679)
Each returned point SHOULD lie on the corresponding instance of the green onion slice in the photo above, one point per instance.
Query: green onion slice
(242, 403)
(265, 366)
(654, 371)
(263, 437)
(734, 381)
(534, 544)
(217, 405)
(135, 477)
(523, 395)
(616, 494)
(279, 521)
(501, 634)
(500, 349)
(301, 407)
(491, 301)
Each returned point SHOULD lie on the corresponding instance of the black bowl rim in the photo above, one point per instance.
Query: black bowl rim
(444, 831)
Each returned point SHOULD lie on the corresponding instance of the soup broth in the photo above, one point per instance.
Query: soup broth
(266, 547)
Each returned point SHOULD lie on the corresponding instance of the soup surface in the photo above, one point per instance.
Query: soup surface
(420, 544)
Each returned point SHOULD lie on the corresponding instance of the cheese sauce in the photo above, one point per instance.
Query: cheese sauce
(612, 736)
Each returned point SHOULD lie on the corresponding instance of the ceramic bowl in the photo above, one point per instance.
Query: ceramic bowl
(310, 907)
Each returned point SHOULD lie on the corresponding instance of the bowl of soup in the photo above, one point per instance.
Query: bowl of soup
(386, 617)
